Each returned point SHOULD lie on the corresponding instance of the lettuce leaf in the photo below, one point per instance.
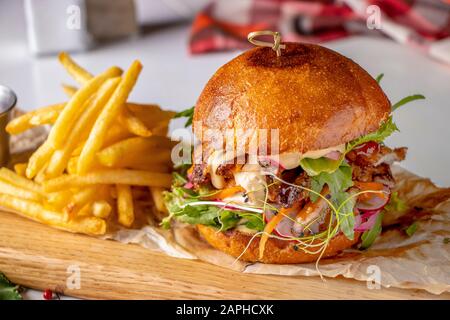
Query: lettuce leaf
(314, 167)
(177, 203)
(345, 212)
(386, 129)
(338, 181)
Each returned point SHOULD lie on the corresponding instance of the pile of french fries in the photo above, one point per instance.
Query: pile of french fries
(98, 149)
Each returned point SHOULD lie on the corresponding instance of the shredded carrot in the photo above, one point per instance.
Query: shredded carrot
(370, 186)
(270, 226)
(225, 193)
(190, 170)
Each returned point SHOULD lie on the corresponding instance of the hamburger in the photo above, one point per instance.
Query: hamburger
(319, 182)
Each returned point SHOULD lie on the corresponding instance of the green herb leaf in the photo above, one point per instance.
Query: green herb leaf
(411, 229)
(8, 290)
(446, 240)
(386, 129)
(406, 100)
(338, 181)
(177, 203)
(396, 204)
(369, 236)
(379, 77)
(227, 219)
(188, 113)
(253, 221)
(314, 167)
(346, 216)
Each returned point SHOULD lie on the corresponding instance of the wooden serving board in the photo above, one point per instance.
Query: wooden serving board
(37, 256)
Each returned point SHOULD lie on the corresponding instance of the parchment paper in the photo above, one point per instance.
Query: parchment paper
(421, 261)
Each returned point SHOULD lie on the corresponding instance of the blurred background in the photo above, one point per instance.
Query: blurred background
(181, 43)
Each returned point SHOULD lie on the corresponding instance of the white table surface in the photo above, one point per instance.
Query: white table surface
(174, 79)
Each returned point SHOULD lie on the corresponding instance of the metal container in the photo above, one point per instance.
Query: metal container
(8, 101)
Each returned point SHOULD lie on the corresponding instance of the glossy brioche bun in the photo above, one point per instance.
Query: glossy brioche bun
(316, 97)
(277, 251)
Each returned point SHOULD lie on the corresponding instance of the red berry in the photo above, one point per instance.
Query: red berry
(48, 294)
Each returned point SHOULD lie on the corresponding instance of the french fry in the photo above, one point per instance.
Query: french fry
(65, 122)
(81, 128)
(77, 151)
(37, 117)
(156, 158)
(69, 115)
(20, 169)
(158, 199)
(69, 90)
(40, 176)
(86, 195)
(114, 154)
(104, 143)
(125, 208)
(127, 119)
(78, 73)
(85, 211)
(108, 114)
(162, 168)
(35, 211)
(134, 124)
(39, 159)
(81, 198)
(72, 165)
(151, 115)
(19, 181)
(109, 176)
(12, 190)
(115, 134)
(44, 118)
(161, 128)
(101, 209)
(58, 200)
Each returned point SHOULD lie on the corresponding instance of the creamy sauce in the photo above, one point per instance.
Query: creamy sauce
(251, 176)
(291, 160)
(242, 228)
(252, 179)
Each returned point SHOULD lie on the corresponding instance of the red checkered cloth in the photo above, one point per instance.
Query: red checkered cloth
(225, 24)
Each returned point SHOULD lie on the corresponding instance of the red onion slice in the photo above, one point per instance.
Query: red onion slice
(376, 202)
(367, 225)
(284, 227)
